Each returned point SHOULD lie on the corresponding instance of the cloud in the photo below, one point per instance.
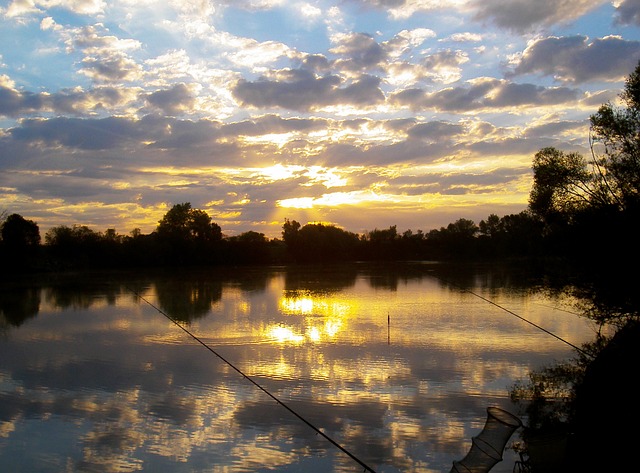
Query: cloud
(88, 134)
(436, 130)
(272, 124)
(553, 128)
(628, 12)
(173, 101)
(360, 51)
(484, 94)
(113, 68)
(18, 8)
(526, 15)
(299, 89)
(514, 15)
(574, 59)
(15, 103)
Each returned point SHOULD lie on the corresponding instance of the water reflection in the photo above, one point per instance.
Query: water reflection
(395, 364)
(17, 305)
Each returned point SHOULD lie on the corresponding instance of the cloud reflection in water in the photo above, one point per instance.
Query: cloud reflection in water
(398, 368)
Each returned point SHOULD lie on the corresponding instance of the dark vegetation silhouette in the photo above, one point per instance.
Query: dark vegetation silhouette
(579, 229)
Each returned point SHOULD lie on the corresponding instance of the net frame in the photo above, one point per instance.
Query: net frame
(487, 447)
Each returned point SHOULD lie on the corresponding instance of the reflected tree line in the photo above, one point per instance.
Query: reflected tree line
(579, 230)
(186, 295)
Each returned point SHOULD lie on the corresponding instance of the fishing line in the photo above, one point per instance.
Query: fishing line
(260, 387)
(580, 350)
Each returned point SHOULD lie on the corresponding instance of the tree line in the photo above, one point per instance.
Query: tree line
(581, 209)
(187, 237)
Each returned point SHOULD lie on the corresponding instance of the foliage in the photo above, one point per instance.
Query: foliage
(583, 400)
(562, 184)
(18, 232)
(618, 129)
(184, 223)
(566, 184)
(316, 242)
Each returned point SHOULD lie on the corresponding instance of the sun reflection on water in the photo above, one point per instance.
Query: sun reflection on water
(395, 366)
(323, 317)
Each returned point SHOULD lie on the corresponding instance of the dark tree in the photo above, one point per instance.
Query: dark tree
(618, 129)
(188, 236)
(567, 184)
(182, 222)
(18, 232)
(562, 185)
(383, 244)
(248, 248)
(319, 243)
(290, 231)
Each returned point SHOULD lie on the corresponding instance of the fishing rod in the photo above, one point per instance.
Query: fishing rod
(256, 384)
(578, 349)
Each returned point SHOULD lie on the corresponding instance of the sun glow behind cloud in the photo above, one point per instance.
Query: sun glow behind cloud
(335, 199)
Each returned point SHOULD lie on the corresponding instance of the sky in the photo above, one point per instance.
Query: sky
(362, 114)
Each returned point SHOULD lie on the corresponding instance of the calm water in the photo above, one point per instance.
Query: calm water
(396, 365)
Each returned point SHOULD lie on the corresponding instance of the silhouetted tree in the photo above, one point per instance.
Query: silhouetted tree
(248, 248)
(618, 129)
(516, 235)
(383, 244)
(64, 236)
(562, 185)
(184, 223)
(19, 233)
(78, 245)
(491, 227)
(568, 183)
(188, 236)
(290, 231)
(594, 204)
(19, 244)
(319, 243)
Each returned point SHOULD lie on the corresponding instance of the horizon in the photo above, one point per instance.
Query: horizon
(349, 113)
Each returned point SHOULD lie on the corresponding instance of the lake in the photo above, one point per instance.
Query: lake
(233, 369)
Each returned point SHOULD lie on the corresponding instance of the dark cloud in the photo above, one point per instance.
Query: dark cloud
(513, 146)
(514, 15)
(359, 51)
(526, 15)
(315, 62)
(297, 89)
(436, 130)
(172, 101)
(268, 124)
(14, 103)
(169, 133)
(106, 133)
(452, 99)
(407, 151)
(80, 102)
(110, 69)
(628, 12)
(383, 4)
(575, 59)
(554, 128)
(483, 94)
(510, 94)
(399, 124)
